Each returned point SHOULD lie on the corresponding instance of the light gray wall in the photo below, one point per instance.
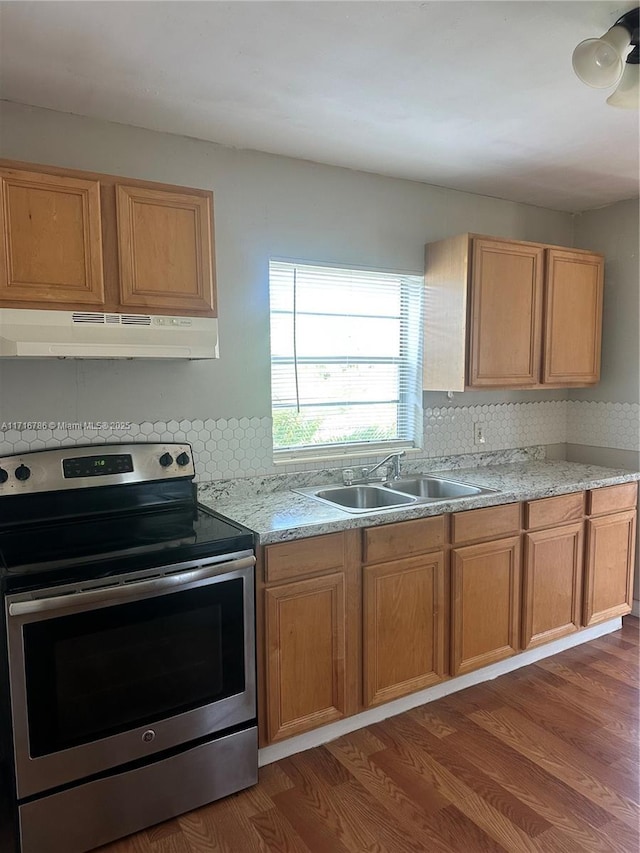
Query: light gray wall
(614, 231)
(264, 206)
(608, 457)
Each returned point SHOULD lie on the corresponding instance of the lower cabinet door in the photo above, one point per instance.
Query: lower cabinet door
(552, 587)
(404, 623)
(485, 611)
(609, 575)
(305, 624)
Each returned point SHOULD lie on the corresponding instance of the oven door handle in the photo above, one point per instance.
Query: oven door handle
(123, 592)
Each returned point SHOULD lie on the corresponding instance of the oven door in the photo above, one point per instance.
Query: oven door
(129, 666)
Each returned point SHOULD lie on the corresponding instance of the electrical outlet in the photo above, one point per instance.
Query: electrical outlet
(478, 433)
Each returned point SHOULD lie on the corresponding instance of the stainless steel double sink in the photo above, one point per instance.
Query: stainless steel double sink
(405, 492)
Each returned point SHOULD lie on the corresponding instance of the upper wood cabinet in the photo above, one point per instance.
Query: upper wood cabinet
(51, 240)
(506, 314)
(78, 241)
(164, 242)
(510, 314)
(573, 318)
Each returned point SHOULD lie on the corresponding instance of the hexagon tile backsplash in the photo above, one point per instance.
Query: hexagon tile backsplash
(227, 448)
(604, 424)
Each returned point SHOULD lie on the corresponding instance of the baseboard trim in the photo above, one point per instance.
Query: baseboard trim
(291, 746)
(635, 608)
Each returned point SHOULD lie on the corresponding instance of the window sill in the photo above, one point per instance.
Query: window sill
(345, 456)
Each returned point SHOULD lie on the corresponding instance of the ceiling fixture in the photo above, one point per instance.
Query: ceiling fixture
(606, 61)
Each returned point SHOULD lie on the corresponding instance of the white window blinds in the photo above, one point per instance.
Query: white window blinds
(346, 350)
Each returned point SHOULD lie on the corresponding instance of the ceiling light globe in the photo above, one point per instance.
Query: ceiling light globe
(600, 62)
(627, 95)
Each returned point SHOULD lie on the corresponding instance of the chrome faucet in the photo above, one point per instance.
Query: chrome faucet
(395, 466)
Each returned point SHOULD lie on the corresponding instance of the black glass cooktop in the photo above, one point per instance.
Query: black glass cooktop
(120, 543)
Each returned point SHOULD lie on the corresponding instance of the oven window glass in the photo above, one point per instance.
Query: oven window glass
(97, 673)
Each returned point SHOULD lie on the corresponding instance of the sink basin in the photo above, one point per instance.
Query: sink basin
(394, 494)
(362, 498)
(435, 488)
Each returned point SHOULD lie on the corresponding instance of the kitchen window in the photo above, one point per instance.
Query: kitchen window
(346, 359)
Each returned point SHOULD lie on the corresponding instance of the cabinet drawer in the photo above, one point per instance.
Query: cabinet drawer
(489, 523)
(548, 512)
(286, 560)
(612, 498)
(394, 541)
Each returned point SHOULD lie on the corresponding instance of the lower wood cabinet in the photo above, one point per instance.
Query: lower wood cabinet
(311, 644)
(552, 584)
(485, 606)
(403, 627)
(306, 626)
(350, 620)
(609, 566)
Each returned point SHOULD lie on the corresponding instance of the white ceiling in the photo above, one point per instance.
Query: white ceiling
(478, 96)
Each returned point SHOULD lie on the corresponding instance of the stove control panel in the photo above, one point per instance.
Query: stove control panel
(94, 465)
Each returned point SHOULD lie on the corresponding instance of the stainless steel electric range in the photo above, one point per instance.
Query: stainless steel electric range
(127, 666)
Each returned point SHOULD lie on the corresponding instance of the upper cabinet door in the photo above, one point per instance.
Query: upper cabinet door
(165, 242)
(506, 312)
(52, 242)
(573, 326)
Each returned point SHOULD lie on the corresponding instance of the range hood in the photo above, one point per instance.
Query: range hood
(27, 333)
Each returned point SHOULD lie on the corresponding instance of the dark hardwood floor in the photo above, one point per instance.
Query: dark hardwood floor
(543, 759)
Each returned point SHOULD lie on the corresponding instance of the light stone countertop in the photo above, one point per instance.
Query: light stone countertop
(282, 515)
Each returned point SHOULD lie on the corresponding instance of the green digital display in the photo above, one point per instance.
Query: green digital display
(97, 466)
